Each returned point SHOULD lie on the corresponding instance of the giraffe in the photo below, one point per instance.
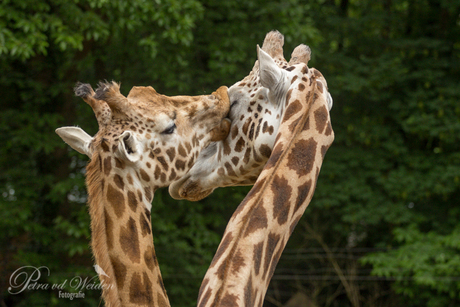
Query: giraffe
(256, 114)
(293, 137)
(145, 141)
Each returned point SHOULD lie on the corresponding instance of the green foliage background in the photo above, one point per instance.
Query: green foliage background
(383, 228)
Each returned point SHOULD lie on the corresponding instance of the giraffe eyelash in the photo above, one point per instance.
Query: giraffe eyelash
(169, 130)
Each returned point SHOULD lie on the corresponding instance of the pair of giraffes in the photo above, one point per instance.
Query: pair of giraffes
(271, 129)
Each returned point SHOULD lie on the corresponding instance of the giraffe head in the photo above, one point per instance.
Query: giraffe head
(257, 106)
(145, 141)
(154, 138)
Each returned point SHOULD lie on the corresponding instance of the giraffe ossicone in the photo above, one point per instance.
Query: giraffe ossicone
(145, 141)
(257, 104)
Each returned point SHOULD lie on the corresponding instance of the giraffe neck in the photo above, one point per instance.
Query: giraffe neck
(259, 229)
(122, 242)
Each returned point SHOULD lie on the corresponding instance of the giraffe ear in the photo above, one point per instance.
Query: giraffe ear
(129, 147)
(76, 138)
(271, 76)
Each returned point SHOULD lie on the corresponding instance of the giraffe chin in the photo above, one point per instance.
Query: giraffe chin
(188, 189)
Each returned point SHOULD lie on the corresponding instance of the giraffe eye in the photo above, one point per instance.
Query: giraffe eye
(169, 130)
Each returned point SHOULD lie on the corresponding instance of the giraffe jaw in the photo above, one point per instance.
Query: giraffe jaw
(187, 188)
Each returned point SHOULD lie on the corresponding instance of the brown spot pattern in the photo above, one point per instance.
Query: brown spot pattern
(182, 151)
(294, 123)
(275, 156)
(246, 126)
(149, 255)
(119, 181)
(321, 116)
(317, 73)
(227, 149)
(132, 200)
(237, 262)
(302, 194)
(265, 150)
(251, 132)
(119, 163)
(157, 172)
(234, 132)
(304, 70)
(306, 126)
(205, 298)
(257, 256)
(247, 155)
(171, 152)
(272, 241)
(229, 300)
(108, 229)
(222, 248)
(249, 293)
(105, 146)
(172, 176)
(120, 271)
(163, 163)
(253, 192)
(116, 199)
(148, 194)
(140, 292)
(180, 165)
(107, 165)
(282, 193)
(288, 96)
(301, 158)
(275, 260)
(258, 220)
(188, 146)
(239, 145)
(129, 241)
(293, 108)
(144, 175)
(320, 86)
(230, 170)
(328, 131)
(145, 225)
(147, 214)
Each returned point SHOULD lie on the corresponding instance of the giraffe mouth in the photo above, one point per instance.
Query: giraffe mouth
(175, 187)
(187, 188)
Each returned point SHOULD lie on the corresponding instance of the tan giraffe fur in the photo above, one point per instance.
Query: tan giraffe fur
(259, 229)
(256, 114)
(145, 141)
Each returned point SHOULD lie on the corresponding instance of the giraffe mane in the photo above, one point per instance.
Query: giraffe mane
(95, 185)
